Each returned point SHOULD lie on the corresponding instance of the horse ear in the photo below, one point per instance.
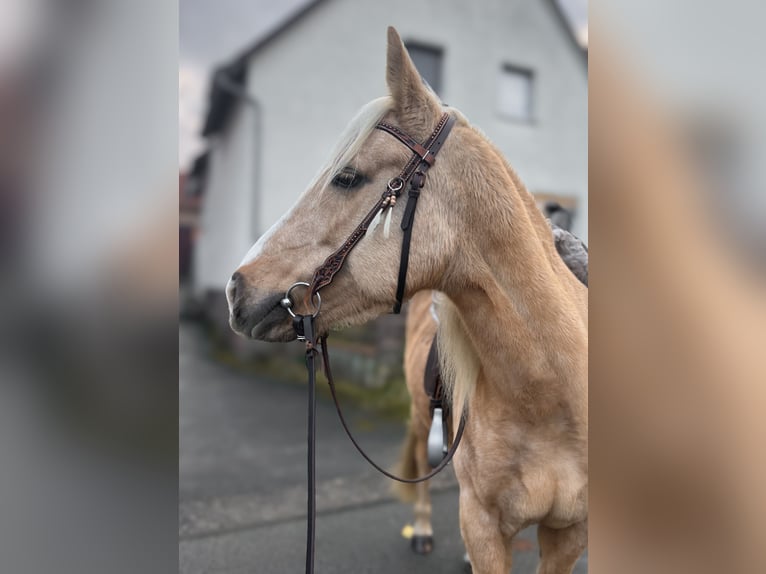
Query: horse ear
(415, 103)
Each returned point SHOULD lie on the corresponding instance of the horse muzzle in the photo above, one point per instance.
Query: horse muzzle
(257, 314)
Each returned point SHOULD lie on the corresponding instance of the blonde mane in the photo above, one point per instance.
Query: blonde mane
(352, 139)
(458, 359)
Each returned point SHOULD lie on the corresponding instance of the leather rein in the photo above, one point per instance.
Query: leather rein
(414, 174)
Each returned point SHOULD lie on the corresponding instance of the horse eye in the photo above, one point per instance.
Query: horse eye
(347, 179)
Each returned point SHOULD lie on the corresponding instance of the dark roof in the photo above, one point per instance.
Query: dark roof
(262, 41)
(569, 31)
(194, 182)
(199, 166)
(310, 5)
(222, 101)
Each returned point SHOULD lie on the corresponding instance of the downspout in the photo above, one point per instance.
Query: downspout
(224, 81)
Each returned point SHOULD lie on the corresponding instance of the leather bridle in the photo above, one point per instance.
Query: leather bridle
(414, 174)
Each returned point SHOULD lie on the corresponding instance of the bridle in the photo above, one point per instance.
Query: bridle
(414, 174)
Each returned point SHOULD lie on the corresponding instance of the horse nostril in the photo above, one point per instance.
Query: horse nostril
(235, 284)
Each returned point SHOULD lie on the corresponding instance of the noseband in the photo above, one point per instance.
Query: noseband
(414, 174)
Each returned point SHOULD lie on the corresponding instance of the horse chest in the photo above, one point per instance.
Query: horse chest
(526, 476)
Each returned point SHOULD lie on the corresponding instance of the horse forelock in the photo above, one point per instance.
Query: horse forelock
(352, 139)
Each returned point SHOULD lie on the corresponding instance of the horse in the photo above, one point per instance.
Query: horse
(513, 337)
(420, 331)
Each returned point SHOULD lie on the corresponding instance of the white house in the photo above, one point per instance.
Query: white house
(512, 67)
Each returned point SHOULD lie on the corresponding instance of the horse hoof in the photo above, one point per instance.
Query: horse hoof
(467, 564)
(422, 544)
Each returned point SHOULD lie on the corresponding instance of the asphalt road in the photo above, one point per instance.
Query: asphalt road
(242, 483)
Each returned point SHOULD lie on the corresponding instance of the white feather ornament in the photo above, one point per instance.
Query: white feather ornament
(375, 221)
(387, 224)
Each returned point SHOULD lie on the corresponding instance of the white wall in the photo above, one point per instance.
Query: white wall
(312, 78)
(226, 221)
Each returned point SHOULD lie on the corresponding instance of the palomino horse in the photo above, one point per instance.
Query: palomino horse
(421, 328)
(513, 335)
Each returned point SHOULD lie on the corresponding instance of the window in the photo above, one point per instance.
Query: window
(428, 61)
(515, 92)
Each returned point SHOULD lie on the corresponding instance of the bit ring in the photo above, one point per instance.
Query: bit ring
(287, 303)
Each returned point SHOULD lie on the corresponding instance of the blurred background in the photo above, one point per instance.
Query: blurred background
(94, 162)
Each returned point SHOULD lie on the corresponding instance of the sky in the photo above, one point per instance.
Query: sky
(213, 31)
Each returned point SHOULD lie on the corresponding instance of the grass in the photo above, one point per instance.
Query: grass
(390, 400)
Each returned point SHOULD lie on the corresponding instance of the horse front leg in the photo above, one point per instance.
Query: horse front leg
(560, 548)
(489, 550)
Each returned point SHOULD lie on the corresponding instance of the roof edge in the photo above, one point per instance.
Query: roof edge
(563, 20)
(291, 19)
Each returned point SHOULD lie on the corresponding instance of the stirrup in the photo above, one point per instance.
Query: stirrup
(437, 439)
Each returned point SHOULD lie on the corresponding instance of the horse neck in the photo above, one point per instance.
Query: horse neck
(523, 311)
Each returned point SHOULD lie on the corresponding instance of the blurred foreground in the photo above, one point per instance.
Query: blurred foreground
(677, 298)
(88, 286)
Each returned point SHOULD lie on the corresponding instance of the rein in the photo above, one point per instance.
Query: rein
(436, 470)
(414, 173)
